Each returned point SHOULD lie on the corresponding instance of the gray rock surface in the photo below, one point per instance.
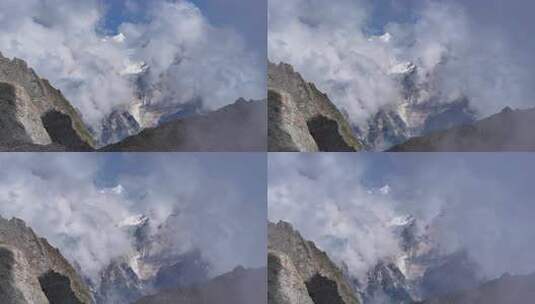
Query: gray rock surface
(241, 126)
(311, 264)
(286, 286)
(34, 272)
(301, 118)
(509, 130)
(241, 286)
(508, 289)
(25, 99)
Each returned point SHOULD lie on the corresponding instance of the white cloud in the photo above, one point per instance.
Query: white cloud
(329, 45)
(481, 204)
(61, 197)
(62, 40)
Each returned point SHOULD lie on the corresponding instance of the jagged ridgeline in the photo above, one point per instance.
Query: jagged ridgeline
(34, 116)
(302, 118)
(34, 272)
(300, 273)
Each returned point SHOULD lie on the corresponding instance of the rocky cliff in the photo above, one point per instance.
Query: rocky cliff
(34, 272)
(296, 265)
(301, 118)
(35, 115)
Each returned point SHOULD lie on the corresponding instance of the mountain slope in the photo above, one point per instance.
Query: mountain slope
(324, 281)
(509, 130)
(301, 118)
(33, 113)
(241, 286)
(241, 126)
(34, 272)
(507, 289)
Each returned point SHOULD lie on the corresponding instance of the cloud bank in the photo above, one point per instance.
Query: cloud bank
(331, 45)
(189, 58)
(78, 203)
(481, 204)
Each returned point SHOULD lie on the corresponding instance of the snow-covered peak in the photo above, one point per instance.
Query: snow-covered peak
(118, 190)
(402, 68)
(132, 221)
(386, 37)
(134, 68)
(400, 221)
(120, 38)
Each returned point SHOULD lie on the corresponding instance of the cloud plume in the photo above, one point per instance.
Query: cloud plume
(480, 204)
(78, 203)
(332, 45)
(66, 42)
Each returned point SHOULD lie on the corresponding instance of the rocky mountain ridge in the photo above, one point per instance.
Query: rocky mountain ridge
(508, 130)
(301, 118)
(298, 272)
(34, 272)
(240, 286)
(36, 117)
(295, 105)
(33, 113)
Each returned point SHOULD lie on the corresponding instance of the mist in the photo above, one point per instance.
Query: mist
(190, 58)
(350, 205)
(78, 203)
(354, 50)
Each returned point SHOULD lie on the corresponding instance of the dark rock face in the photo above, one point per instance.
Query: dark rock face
(507, 289)
(294, 106)
(325, 133)
(33, 272)
(241, 286)
(24, 100)
(323, 290)
(241, 126)
(57, 288)
(506, 131)
(59, 128)
(300, 263)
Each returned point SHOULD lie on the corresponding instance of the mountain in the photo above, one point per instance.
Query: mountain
(34, 115)
(241, 126)
(508, 289)
(504, 131)
(300, 273)
(421, 110)
(301, 118)
(152, 267)
(34, 272)
(241, 286)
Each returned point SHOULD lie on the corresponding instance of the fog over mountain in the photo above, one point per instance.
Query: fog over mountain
(184, 55)
(353, 50)
(89, 206)
(354, 208)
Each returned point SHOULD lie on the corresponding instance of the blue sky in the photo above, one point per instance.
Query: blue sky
(249, 18)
